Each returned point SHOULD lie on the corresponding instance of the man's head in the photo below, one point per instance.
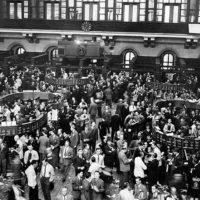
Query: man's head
(96, 174)
(98, 151)
(30, 147)
(173, 190)
(64, 191)
(80, 174)
(138, 180)
(16, 138)
(66, 143)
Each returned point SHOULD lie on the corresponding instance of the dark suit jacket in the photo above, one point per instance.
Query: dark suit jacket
(93, 109)
(153, 171)
(86, 192)
(3, 153)
(100, 185)
(123, 162)
(76, 187)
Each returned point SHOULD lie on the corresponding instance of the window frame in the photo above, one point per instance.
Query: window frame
(53, 3)
(171, 15)
(90, 7)
(124, 54)
(168, 67)
(131, 13)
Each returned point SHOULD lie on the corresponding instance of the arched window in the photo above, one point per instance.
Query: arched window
(168, 59)
(54, 54)
(20, 50)
(17, 49)
(128, 57)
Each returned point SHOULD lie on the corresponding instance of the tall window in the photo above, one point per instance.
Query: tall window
(52, 11)
(151, 10)
(91, 11)
(18, 9)
(171, 13)
(130, 13)
(15, 10)
(168, 60)
(110, 10)
(128, 57)
(192, 11)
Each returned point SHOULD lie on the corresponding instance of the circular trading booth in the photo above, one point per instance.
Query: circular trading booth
(11, 128)
(187, 144)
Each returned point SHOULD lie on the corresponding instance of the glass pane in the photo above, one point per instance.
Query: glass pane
(19, 10)
(95, 12)
(110, 14)
(167, 14)
(48, 11)
(176, 14)
(12, 10)
(150, 15)
(56, 11)
(79, 13)
(71, 13)
(135, 13)
(87, 12)
(165, 58)
(126, 13)
(71, 3)
(110, 3)
(170, 58)
(151, 3)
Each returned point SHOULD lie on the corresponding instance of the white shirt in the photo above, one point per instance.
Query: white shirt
(99, 159)
(16, 110)
(158, 152)
(93, 168)
(139, 167)
(34, 156)
(125, 194)
(48, 173)
(31, 176)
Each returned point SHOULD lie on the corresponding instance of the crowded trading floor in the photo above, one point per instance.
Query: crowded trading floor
(108, 138)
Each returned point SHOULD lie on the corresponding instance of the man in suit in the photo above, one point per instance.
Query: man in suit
(54, 144)
(47, 175)
(86, 192)
(93, 109)
(93, 136)
(67, 159)
(64, 195)
(3, 157)
(124, 163)
(79, 161)
(77, 186)
(152, 168)
(97, 186)
(140, 190)
(43, 144)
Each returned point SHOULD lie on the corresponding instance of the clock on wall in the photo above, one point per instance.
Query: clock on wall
(86, 26)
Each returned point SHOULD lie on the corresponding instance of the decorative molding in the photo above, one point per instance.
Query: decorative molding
(149, 42)
(191, 43)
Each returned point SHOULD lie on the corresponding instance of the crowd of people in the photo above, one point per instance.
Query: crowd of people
(104, 130)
